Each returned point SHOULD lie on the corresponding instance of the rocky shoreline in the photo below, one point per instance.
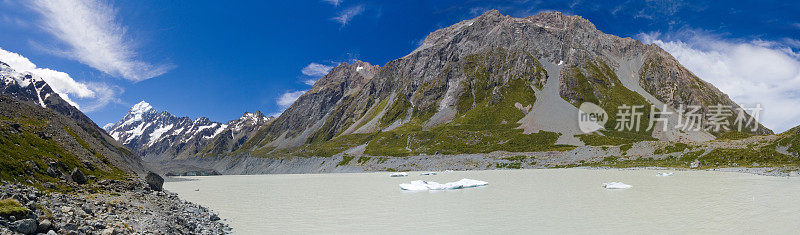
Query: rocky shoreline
(764, 171)
(106, 207)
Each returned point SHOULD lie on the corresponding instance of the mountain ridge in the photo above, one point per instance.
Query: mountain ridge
(162, 136)
(45, 138)
(482, 56)
(491, 83)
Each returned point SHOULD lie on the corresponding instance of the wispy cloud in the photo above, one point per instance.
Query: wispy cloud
(288, 98)
(751, 72)
(333, 2)
(346, 15)
(316, 70)
(98, 95)
(93, 36)
(14, 21)
(104, 95)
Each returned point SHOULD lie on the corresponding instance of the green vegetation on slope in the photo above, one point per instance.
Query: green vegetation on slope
(791, 140)
(11, 207)
(487, 116)
(26, 152)
(597, 83)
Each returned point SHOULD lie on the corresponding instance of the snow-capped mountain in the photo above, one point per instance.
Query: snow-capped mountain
(25, 85)
(26, 98)
(163, 136)
(30, 88)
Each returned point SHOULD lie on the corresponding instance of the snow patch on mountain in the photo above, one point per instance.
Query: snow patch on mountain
(158, 132)
(153, 133)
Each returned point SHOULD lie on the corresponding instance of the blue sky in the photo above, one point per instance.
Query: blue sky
(221, 58)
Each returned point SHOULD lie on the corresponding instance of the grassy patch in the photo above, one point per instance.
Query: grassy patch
(318, 149)
(764, 156)
(345, 160)
(625, 147)
(734, 135)
(513, 165)
(614, 138)
(516, 158)
(458, 139)
(9, 207)
(677, 147)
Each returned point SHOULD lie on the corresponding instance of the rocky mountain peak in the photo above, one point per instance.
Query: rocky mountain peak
(559, 20)
(551, 62)
(351, 75)
(160, 135)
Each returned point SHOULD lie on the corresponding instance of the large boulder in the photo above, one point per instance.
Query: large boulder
(54, 172)
(44, 226)
(24, 226)
(78, 176)
(155, 181)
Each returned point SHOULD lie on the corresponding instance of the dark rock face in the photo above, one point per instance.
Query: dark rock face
(78, 176)
(435, 79)
(155, 181)
(24, 226)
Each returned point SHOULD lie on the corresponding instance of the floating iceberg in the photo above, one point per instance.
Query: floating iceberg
(420, 185)
(399, 174)
(665, 173)
(428, 173)
(616, 185)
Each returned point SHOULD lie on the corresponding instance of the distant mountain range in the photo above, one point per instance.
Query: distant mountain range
(488, 84)
(162, 136)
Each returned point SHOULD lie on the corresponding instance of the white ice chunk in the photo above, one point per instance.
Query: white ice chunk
(616, 185)
(399, 174)
(428, 173)
(665, 173)
(420, 185)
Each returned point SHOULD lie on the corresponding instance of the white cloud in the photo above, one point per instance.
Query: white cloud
(93, 36)
(60, 82)
(288, 98)
(333, 2)
(104, 95)
(316, 70)
(346, 15)
(755, 72)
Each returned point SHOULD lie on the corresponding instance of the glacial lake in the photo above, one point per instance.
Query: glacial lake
(515, 201)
